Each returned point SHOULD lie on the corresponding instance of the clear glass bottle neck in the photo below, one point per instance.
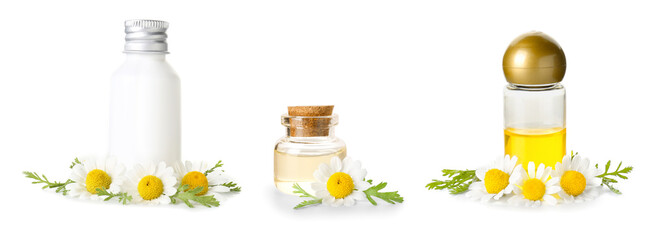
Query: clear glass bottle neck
(538, 87)
(329, 134)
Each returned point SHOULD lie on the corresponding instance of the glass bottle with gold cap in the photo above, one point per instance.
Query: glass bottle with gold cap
(534, 100)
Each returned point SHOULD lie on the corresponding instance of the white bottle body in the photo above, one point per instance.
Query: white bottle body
(145, 117)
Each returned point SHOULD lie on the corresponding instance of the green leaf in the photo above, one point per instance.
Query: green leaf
(218, 165)
(458, 182)
(390, 197)
(302, 193)
(60, 186)
(123, 197)
(233, 186)
(308, 203)
(299, 190)
(185, 195)
(75, 162)
(608, 181)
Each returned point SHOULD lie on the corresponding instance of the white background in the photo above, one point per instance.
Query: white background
(417, 84)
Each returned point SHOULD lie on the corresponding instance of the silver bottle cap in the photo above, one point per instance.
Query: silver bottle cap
(145, 36)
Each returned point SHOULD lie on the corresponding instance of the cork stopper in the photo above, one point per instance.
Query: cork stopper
(310, 121)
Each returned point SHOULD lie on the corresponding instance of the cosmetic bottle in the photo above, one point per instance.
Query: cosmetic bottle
(534, 100)
(309, 141)
(145, 106)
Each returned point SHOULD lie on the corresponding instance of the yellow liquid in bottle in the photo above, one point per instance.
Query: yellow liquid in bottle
(535, 145)
(290, 169)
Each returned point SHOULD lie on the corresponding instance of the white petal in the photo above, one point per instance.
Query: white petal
(563, 163)
(356, 174)
(323, 194)
(80, 171)
(474, 194)
(335, 164)
(326, 170)
(349, 201)
(584, 165)
(536, 203)
(565, 197)
(574, 164)
(338, 202)
(519, 174)
(550, 199)
(512, 163)
(531, 170)
(363, 174)
(515, 200)
(556, 172)
(90, 165)
(552, 189)
(362, 185)
(481, 173)
(169, 181)
(594, 181)
(320, 174)
(499, 195)
(477, 186)
(357, 195)
(552, 182)
(346, 164)
(169, 191)
(540, 171)
(317, 186)
(545, 174)
(486, 198)
(164, 200)
(508, 189)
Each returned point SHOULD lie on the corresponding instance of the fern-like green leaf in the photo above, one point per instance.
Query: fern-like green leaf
(189, 196)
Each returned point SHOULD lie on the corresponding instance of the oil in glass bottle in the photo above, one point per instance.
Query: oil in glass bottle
(309, 141)
(534, 100)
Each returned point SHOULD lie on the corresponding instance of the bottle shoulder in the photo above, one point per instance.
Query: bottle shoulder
(143, 68)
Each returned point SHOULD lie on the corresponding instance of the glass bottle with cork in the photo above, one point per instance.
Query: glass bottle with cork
(310, 141)
(534, 100)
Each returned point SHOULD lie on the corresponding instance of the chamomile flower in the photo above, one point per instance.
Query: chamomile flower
(340, 182)
(534, 187)
(151, 183)
(94, 173)
(577, 179)
(194, 176)
(496, 180)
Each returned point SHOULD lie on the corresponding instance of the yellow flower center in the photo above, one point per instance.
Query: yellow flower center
(573, 183)
(97, 179)
(340, 185)
(195, 179)
(495, 181)
(533, 189)
(150, 187)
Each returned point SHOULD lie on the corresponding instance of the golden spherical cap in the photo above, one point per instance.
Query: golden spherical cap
(534, 58)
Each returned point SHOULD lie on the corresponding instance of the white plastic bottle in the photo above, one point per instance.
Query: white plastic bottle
(145, 118)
